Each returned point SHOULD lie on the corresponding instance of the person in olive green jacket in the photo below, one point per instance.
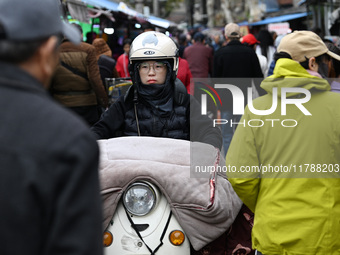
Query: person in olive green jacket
(285, 165)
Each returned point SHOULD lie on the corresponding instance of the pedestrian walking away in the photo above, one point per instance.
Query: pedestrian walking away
(334, 68)
(266, 46)
(287, 172)
(237, 64)
(199, 57)
(251, 41)
(107, 65)
(77, 83)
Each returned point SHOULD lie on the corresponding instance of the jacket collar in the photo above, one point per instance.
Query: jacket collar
(234, 42)
(289, 73)
(16, 78)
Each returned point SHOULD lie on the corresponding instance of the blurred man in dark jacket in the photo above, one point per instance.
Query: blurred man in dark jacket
(49, 187)
(235, 61)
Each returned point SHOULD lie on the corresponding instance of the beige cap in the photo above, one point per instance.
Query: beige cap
(232, 30)
(304, 44)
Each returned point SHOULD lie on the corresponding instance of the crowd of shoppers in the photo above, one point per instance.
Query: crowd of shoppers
(55, 104)
(286, 204)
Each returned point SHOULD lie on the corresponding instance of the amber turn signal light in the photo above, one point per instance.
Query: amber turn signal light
(177, 237)
(107, 239)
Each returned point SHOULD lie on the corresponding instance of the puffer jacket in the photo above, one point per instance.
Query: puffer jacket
(184, 122)
(150, 124)
(82, 87)
(297, 205)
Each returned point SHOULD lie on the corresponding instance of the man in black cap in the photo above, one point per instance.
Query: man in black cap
(49, 188)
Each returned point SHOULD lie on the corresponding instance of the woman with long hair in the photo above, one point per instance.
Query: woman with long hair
(266, 46)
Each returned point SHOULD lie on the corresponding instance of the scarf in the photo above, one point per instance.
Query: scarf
(158, 96)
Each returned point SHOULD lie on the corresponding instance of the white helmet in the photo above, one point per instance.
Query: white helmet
(154, 45)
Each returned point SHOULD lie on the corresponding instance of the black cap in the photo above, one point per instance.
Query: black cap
(199, 37)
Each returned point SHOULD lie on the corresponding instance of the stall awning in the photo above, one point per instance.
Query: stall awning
(102, 3)
(113, 6)
(276, 19)
(80, 11)
(152, 19)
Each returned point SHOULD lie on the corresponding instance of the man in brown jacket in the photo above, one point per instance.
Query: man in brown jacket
(77, 83)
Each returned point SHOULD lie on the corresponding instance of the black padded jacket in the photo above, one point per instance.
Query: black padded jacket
(129, 116)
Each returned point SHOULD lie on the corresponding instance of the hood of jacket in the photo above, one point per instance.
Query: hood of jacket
(288, 74)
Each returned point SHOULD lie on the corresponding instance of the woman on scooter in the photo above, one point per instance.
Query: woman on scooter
(157, 104)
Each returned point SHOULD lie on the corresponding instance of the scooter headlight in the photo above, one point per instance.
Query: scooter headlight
(139, 199)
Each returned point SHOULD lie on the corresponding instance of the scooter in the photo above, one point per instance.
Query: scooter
(144, 224)
(155, 199)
